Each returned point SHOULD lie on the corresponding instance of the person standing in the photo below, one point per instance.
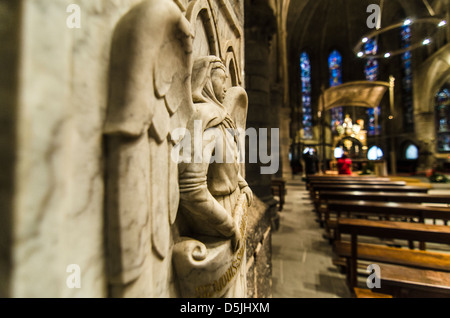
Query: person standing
(310, 161)
(344, 164)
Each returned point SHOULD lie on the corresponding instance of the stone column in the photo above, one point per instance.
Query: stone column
(260, 25)
(285, 119)
(425, 132)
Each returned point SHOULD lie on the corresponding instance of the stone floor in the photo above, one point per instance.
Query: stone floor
(301, 256)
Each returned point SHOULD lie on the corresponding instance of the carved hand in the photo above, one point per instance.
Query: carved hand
(236, 240)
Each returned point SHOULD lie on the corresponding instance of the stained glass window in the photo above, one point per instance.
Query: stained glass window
(338, 152)
(442, 115)
(371, 68)
(305, 66)
(372, 127)
(408, 110)
(412, 152)
(371, 72)
(335, 67)
(375, 153)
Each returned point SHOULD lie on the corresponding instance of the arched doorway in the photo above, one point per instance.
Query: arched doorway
(352, 146)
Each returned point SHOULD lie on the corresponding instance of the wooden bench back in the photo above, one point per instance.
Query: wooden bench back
(390, 209)
(358, 182)
(371, 188)
(312, 179)
(315, 185)
(389, 230)
(384, 196)
(396, 230)
(346, 177)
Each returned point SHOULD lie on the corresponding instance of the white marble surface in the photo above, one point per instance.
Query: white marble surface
(59, 197)
(60, 186)
(209, 267)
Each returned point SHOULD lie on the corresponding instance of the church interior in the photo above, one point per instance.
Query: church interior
(103, 194)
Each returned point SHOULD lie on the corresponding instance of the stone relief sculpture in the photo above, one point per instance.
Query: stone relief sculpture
(149, 96)
(170, 224)
(209, 258)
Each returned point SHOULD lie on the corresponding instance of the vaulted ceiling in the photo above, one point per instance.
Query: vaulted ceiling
(323, 24)
(320, 26)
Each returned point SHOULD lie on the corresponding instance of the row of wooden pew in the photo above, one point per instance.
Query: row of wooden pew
(365, 218)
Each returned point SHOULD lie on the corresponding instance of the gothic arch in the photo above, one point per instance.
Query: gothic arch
(200, 9)
(232, 65)
(431, 76)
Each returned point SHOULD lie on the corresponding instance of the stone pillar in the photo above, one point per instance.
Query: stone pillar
(276, 100)
(285, 120)
(261, 115)
(425, 132)
(260, 25)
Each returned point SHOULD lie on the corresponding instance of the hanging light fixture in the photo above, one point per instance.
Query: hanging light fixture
(433, 22)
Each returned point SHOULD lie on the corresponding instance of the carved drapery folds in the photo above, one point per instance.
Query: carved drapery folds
(210, 256)
(150, 96)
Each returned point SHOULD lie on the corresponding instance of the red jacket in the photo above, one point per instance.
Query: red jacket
(344, 166)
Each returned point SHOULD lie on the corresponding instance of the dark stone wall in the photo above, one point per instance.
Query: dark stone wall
(259, 252)
(9, 33)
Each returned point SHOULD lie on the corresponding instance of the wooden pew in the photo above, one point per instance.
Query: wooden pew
(394, 255)
(326, 196)
(397, 278)
(337, 177)
(364, 293)
(385, 210)
(358, 182)
(315, 185)
(340, 178)
(371, 188)
(384, 197)
(366, 188)
(385, 187)
(402, 281)
(313, 178)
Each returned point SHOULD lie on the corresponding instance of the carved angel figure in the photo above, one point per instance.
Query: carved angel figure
(213, 194)
(154, 89)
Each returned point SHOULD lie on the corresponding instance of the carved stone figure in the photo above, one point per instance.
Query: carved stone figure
(348, 122)
(210, 257)
(155, 89)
